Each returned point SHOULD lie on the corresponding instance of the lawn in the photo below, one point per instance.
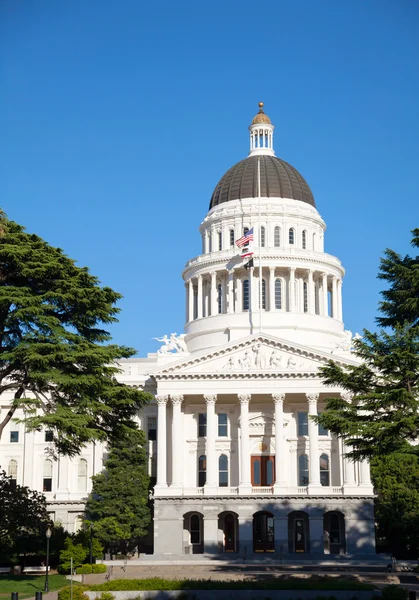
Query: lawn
(27, 585)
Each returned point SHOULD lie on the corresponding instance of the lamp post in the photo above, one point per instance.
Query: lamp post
(48, 534)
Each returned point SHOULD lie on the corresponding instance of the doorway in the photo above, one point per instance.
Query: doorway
(263, 532)
(262, 469)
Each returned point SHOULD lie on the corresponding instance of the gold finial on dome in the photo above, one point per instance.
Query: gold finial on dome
(261, 117)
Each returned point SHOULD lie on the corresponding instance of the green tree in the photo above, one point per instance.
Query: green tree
(381, 413)
(118, 504)
(55, 356)
(23, 515)
(71, 551)
(396, 480)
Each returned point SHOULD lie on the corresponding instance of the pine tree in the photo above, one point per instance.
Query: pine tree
(55, 356)
(381, 411)
(118, 504)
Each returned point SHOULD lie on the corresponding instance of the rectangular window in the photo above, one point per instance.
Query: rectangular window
(302, 423)
(232, 237)
(152, 428)
(202, 425)
(49, 436)
(47, 484)
(322, 430)
(14, 437)
(222, 425)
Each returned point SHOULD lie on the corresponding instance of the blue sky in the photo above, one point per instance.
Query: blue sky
(118, 118)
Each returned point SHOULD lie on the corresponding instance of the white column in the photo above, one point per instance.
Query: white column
(313, 442)
(161, 442)
(348, 468)
(325, 295)
(339, 299)
(177, 442)
(62, 488)
(223, 294)
(212, 479)
(271, 288)
(281, 463)
(190, 304)
(253, 290)
(214, 307)
(364, 472)
(199, 299)
(334, 298)
(245, 481)
(291, 290)
(230, 286)
(310, 292)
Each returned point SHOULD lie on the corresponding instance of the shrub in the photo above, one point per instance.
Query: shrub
(394, 592)
(84, 570)
(78, 593)
(106, 596)
(99, 568)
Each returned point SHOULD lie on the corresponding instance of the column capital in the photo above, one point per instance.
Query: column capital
(199, 276)
(278, 398)
(347, 396)
(244, 398)
(162, 399)
(210, 399)
(213, 273)
(177, 400)
(293, 269)
(312, 399)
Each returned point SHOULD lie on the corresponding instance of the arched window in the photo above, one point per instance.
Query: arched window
(304, 239)
(303, 469)
(277, 237)
(220, 298)
(264, 294)
(324, 470)
(12, 471)
(202, 470)
(82, 475)
(269, 472)
(291, 236)
(47, 486)
(305, 296)
(220, 240)
(262, 237)
(232, 237)
(246, 296)
(278, 294)
(195, 529)
(223, 471)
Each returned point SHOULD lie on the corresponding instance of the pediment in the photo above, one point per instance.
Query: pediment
(252, 357)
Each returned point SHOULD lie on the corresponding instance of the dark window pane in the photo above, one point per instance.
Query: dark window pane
(49, 436)
(322, 430)
(256, 472)
(47, 484)
(222, 425)
(269, 472)
(14, 436)
(302, 423)
(202, 425)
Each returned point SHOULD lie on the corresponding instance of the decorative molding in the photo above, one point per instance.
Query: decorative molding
(161, 399)
(210, 399)
(244, 398)
(278, 399)
(312, 399)
(177, 400)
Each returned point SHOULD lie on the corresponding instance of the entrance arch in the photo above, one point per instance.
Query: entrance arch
(298, 532)
(334, 532)
(193, 533)
(228, 524)
(263, 532)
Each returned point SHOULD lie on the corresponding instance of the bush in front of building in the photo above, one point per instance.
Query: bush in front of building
(78, 593)
(84, 570)
(99, 568)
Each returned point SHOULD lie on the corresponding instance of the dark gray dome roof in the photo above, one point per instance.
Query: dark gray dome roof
(278, 179)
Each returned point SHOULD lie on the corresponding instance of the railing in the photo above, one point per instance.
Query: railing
(302, 490)
(262, 490)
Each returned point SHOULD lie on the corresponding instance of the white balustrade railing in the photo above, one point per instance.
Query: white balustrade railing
(263, 490)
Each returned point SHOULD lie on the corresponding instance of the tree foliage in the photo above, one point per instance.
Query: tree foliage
(118, 504)
(23, 515)
(55, 355)
(381, 411)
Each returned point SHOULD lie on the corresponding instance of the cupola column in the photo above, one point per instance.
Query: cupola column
(214, 309)
(334, 298)
(211, 482)
(339, 299)
(199, 298)
(291, 290)
(190, 303)
(325, 295)
(310, 291)
(271, 288)
(230, 292)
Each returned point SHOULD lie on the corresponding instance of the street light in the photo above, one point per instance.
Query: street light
(48, 534)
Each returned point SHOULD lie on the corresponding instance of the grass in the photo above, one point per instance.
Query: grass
(27, 585)
(290, 583)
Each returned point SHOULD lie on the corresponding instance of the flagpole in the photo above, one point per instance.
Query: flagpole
(260, 251)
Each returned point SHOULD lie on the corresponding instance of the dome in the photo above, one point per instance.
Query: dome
(278, 179)
(261, 117)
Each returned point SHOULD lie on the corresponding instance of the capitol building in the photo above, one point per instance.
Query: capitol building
(239, 465)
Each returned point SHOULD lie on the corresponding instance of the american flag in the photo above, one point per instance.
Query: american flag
(245, 239)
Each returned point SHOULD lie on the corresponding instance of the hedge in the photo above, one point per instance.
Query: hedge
(99, 568)
(156, 583)
(78, 593)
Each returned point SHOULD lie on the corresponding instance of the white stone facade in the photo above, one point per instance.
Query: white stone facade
(239, 465)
